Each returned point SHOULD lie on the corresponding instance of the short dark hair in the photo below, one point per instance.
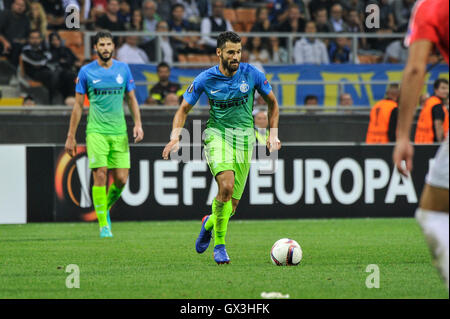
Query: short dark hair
(311, 97)
(227, 36)
(176, 5)
(438, 83)
(101, 35)
(36, 31)
(162, 65)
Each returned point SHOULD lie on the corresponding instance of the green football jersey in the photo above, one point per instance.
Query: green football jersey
(105, 89)
(230, 101)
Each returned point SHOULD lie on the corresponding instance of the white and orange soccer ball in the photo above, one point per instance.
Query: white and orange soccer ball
(286, 252)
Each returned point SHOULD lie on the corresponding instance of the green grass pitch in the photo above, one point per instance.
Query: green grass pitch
(158, 260)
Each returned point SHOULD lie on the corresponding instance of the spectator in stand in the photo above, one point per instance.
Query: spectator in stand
(339, 50)
(336, 22)
(38, 18)
(110, 20)
(262, 23)
(214, 23)
(70, 101)
(151, 47)
(164, 87)
(396, 52)
(353, 21)
(130, 53)
(358, 5)
(164, 9)
(257, 52)
(99, 5)
(55, 14)
(402, 12)
(387, 25)
(137, 21)
(387, 19)
(192, 12)
(319, 4)
(261, 123)
(98, 8)
(245, 58)
(280, 11)
(171, 99)
(36, 59)
(311, 100)
(86, 14)
(124, 13)
(423, 98)
(65, 65)
(14, 31)
(355, 25)
(321, 19)
(310, 50)
(277, 53)
(294, 23)
(28, 101)
(312, 103)
(182, 44)
(345, 99)
(151, 18)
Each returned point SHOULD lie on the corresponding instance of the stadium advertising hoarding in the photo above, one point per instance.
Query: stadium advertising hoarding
(289, 94)
(310, 181)
(13, 184)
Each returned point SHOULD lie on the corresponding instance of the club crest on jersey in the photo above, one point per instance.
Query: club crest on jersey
(244, 87)
(119, 79)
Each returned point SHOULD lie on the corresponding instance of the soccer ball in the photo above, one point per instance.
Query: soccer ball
(286, 252)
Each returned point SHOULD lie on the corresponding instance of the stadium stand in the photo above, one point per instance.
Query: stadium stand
(74, 41)
(241, 14)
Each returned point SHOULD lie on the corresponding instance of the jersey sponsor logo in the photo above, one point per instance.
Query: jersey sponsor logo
(244, 87)
(119, 79)
(108, 91)
(229, 103)
(212, 92)
(95, 81)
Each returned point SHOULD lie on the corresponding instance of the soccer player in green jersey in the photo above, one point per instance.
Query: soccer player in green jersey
(105, 81)
(229, 136)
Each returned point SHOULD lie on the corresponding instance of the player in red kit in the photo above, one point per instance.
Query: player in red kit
(428, 28)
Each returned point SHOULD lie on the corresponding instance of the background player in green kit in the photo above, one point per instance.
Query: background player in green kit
(229, 136)
(105, 81)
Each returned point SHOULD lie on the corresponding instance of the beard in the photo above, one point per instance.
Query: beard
(105, 58)
(227, 65)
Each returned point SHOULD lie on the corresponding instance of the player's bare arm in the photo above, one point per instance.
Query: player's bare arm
(77, 112)
(273, 143)
(138, 132)
(177, 124)
(412, 83)
(439, 130)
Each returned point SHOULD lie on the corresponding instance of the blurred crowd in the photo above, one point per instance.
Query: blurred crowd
(30, 40)
(19, 17)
